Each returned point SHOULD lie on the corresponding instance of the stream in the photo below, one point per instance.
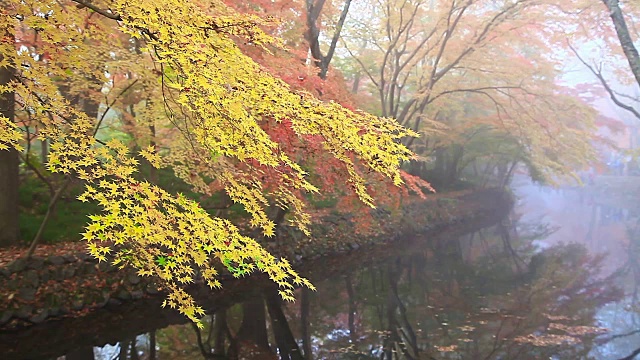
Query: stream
(555, 279)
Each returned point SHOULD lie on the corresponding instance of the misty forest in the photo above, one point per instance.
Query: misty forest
(319, 179)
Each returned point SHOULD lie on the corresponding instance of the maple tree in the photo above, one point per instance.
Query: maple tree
(474, 65)
(323, 19)
(613, 39)
(217, 100)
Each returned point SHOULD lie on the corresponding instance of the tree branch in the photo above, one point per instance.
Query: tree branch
(105, 13)
(603, 81)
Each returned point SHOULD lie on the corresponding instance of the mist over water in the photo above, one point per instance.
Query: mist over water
(577, 215)
(603, 217)
(555, 279)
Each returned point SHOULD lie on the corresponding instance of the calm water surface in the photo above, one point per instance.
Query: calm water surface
(556, 279)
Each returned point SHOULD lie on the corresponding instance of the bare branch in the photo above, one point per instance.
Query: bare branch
(598, 74)
(105, 13)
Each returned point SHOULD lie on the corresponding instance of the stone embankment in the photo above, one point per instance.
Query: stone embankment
(47, 287)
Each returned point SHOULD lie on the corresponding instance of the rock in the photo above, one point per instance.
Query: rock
(114, 302)
(123, 294)
(13, 284)
(58, 274)
(31, 279)
(86, 257)
(152, 289)
(5, 272)
(56, 260)
(105, 266)
(54, 311)
(27, 293)
(24, 312)
(103, 302)
(35, 263)
(87, 269)
(5, 317)
(69, 258)
(137, 294)
(68, 272)
(45, 276)
(77, 305)
(133, 279)
(39, 317)
(17, 266)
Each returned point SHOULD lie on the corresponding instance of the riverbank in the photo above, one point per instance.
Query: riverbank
(63, 281)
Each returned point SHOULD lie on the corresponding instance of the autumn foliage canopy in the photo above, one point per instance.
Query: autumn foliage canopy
(227, 123)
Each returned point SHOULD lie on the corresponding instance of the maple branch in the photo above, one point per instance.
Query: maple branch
(26, 159)
(105, 13)
(473, 90)
(364, 68)
(334, 41)
(47, 216)
(95, 131)
(605, 85)
(617, 336)
(628, 97)
(632, 355)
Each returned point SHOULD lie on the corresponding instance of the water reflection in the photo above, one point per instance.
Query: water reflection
(604, 217)
(558, 279)
(485, 295)
(624, 316)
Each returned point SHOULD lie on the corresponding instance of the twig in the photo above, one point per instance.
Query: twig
(105, 13)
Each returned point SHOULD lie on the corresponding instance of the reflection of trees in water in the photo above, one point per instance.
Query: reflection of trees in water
(436, 304)
(486, 295)
(627, 312)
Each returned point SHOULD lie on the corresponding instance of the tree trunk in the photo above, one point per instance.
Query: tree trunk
(624, 37)
(9, 162)
(312, 35)
(352, 308)
(153, 172)
(152, 345)
(304, 323)
(254, 327)
(356, 83)
(287, 345)
(219, 331)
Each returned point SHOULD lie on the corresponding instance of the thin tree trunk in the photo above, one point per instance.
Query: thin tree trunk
(352, 308)
(356, 83)
(152, 345)
(124, 347)
(9, 169)
(253, 328)
(134, 351)
(287, 345)
(44, 151)
(153, 172)
(219, 328)
(304, 320)
(626, 42)
(50, 210)
(314, 10)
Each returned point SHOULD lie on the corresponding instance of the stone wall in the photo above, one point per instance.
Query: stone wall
(35, 290)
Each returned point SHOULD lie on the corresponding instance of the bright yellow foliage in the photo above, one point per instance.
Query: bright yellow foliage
(186, 63)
